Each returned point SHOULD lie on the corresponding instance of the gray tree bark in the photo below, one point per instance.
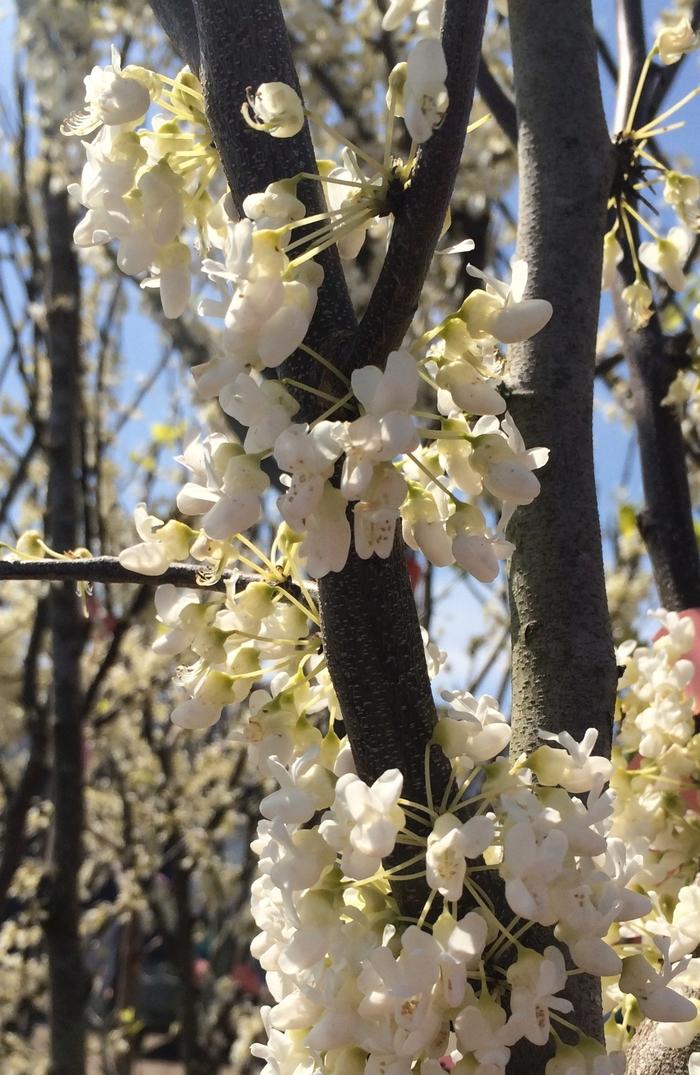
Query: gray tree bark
(564, 674)
(563, 664)
(67, 977)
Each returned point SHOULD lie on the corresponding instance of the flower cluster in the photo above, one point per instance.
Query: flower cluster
(141, 187)
(657, 814)
(359, 986)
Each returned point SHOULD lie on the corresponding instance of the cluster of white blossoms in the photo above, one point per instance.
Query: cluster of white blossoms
(400, 457)
(143, 186)
(360, 987)
(657, 814)
(506, 844)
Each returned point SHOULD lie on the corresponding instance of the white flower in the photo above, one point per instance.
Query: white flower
(425, 97)
(472, 547)
(179, 610)
(473, 729)
(227, 488)
(327, 540)
(423, 524)
(667, 256)
(195, 715)
(534, 980)
(386, 428)
(276, 206)
(676, 40)
(530, 864)
(376, 514)
(503, 461)
(575, 767)
(612, 256)
(364, 821)
(295, 802)
(656, 1000)
(264, 406)
(112, 97)
(161, 544)
(341, 197)
(513, 318)
(276, 108)
(483, 1031)
(638, 300)
(403, 987)
(173, 278)
(686, 922)
(308, 456)
(449, 845)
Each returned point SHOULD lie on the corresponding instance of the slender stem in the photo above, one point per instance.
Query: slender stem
(325, 362)
(429, 474)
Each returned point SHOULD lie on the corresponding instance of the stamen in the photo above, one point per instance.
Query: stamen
(669, 111)
(640, 220)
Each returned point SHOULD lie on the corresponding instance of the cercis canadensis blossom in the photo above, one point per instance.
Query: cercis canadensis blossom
(399, 458)
(413, 439)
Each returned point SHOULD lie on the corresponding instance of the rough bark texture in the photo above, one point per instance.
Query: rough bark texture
(564, 672)
(647, 1055)
(563, 663)
(67, 977)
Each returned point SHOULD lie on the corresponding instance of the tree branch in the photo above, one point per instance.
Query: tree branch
(666, 522)
(107, 569)
(564, 674)
(420, 218)
(497, 101)
(67, 975)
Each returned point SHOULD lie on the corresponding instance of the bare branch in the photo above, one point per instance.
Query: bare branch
(105, 569)
(67, 975)
(497, 101)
